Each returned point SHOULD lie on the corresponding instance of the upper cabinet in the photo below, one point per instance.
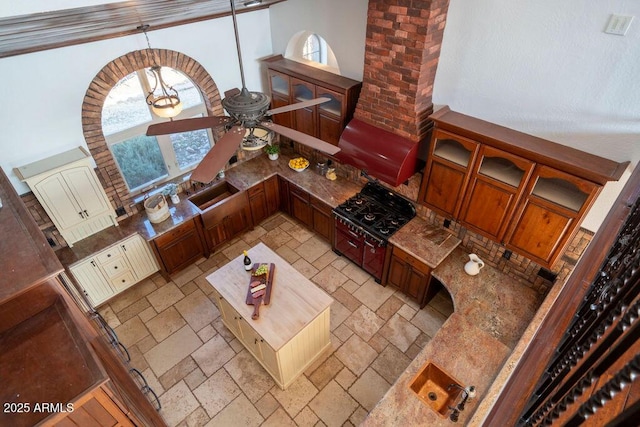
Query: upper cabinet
(69, 191)
(447, 173)
(525, 192)
(291, 82)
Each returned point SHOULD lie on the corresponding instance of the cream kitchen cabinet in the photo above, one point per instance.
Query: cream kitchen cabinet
(292, 330)
(114, 269)
(69, 191)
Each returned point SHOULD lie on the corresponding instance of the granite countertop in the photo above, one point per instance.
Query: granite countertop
(428, 243)
(491, 311)
(242, 176)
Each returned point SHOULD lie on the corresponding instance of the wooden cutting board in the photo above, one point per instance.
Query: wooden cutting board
(264, 279)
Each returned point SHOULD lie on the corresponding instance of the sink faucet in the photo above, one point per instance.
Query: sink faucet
(467, 393)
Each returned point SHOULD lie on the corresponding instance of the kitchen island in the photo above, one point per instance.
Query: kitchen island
(291, 331)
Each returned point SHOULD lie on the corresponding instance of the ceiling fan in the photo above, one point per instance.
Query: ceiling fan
(247, 111)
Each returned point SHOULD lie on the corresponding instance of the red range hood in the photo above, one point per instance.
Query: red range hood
(384, 155)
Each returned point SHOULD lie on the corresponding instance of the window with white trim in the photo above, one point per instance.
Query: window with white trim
(147, 160)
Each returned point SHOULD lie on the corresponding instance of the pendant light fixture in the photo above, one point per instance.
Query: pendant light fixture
(166, 103)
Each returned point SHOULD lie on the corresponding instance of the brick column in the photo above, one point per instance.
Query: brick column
(401, 57)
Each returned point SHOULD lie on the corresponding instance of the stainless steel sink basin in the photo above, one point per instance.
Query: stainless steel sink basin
(434, 387)
(213, 195)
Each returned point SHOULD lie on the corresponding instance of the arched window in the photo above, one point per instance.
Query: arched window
(312, 49)
(147, 160)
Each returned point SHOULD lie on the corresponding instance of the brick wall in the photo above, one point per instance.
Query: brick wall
(401, 57)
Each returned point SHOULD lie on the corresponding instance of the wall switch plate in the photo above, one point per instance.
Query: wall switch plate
(618, 24)
(120, 211)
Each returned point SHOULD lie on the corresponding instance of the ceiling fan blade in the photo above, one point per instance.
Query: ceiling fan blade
(186, 125)
(218, 156)
(302, 138)
(297, 106)
(231, 92)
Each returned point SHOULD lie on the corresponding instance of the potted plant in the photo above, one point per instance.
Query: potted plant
(171, 189)
(272, 150)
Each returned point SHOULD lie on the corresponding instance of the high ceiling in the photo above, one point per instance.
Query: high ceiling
(49, 30)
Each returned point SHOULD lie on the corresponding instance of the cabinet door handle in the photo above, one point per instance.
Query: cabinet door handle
(352, 244)
(115, 267)
(94, 264)
(81, 215)
(124, 248)
(85, 212)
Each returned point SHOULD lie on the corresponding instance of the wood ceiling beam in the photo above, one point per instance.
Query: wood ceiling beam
(51, 30)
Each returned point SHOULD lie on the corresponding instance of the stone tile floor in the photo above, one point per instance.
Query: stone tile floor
(204, 376)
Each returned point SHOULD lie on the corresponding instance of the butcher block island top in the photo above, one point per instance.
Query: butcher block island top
(292, 330)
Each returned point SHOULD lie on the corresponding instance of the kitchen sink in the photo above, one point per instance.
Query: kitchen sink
(213, 195)
(439, 390)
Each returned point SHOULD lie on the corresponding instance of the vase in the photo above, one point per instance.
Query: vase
(175, 199)
(273, 156)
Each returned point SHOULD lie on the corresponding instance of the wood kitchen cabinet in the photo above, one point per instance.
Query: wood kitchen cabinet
(495, 186)
(447, 173)
(114, 269)
(300, 205)
(524, 192)
(409, 275)
(70, 192)
(312, 212)
(180, 247)
(304, 119)
(280, 96)
(291, 82)
(322, 219)
(554, 203)
(285, 199)
(264, 199)
(222, 223)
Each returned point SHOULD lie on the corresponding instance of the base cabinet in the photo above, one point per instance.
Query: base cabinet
(222, 223)
(311, 211)
(179, 248)
(114, 269)
(264, 199)
(409, 275)
(285, 364)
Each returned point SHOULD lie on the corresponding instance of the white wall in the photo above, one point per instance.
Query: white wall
(341, 23)
(544, 68)
(47, 88)
(548, 69)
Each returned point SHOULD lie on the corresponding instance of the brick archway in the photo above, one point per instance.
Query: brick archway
(98, 90)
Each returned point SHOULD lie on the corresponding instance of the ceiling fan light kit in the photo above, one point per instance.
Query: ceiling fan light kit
(248, 125)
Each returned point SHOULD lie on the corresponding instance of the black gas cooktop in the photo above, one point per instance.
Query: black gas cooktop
(377, 210)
